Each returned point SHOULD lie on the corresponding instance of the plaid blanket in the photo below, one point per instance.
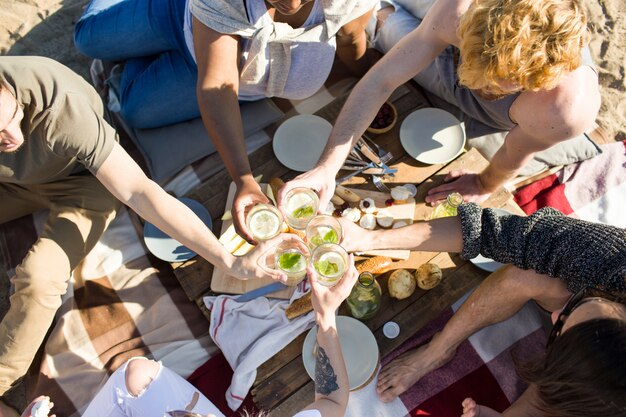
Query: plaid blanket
(592, 190)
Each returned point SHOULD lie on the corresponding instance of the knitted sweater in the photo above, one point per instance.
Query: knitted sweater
(581, 253)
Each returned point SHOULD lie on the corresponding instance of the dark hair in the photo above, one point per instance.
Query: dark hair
(583, 373)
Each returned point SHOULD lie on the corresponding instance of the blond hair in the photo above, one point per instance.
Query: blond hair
(530, 43)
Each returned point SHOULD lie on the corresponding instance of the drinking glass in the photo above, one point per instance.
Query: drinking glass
(301, 205)
(264, 221)
(330, 262)
(292, 257)
(323, 229)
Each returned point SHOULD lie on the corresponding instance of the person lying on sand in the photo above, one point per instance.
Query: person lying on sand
(572, 268)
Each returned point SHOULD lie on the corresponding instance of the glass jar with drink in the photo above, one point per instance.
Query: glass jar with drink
(323, 229)
(449, 207)
(264, 221)
(301, 205)
(330, 262)
(364, 300)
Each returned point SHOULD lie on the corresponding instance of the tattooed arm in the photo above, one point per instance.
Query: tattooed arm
(331, 378)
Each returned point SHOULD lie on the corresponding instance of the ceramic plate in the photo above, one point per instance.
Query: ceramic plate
(300, 140)
(358, 346)
(164, 247)
(488, 264)
(432, 136)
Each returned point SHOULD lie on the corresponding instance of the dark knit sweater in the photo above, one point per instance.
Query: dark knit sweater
(581, 253)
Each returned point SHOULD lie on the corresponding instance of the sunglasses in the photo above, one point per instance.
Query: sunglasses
(576, 300)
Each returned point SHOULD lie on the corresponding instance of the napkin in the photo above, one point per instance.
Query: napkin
(250, 333)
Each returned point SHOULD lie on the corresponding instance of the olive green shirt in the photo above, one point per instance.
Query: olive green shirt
(63, 126)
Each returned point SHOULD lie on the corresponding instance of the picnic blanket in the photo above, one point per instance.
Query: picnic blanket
(592, 190)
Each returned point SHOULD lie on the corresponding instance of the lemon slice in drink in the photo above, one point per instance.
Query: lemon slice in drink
(264, 224)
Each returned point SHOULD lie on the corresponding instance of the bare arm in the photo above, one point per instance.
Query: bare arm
(217, 91)
(544, 118)
(439, 235)
(332, 387)
(121, 175)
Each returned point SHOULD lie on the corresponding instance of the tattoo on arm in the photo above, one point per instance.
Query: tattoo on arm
(325, 378)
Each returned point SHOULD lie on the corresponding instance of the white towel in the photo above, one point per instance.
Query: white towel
(250, 333)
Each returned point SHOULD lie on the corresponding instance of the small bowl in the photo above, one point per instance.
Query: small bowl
(394, 113)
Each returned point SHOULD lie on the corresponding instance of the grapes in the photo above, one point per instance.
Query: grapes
(383, 118)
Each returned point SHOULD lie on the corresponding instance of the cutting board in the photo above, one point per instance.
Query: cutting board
(222, 282)
(400, 212)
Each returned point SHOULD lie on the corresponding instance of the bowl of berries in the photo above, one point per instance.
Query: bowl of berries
(385, 119)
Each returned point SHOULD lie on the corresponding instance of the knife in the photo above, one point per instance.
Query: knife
(261, 291)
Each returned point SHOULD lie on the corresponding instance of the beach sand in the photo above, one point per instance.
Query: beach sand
(45, 27)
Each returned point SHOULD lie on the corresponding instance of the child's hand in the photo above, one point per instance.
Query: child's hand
(470, 408)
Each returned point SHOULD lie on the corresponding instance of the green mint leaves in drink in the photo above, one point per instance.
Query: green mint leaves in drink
(287, 261)
(327, 268)
(331, 236)
(303, 212)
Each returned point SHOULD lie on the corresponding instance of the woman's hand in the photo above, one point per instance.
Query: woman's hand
(326, 300)
(28, 411)
(464, 182)
(355, 238)
(318, 179)
(248, 194)
(260, 261)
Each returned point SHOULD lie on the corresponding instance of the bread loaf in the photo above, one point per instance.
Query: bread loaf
(347, 195)
(276, 184)
(428, 276)
(299, 307)
(376, 265)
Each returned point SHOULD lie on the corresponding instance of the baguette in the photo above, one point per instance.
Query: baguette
(299, 307)
(347, 195)
(376, 265)
(276, 184)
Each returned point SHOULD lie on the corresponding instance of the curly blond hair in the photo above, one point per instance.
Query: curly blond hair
(528, 43)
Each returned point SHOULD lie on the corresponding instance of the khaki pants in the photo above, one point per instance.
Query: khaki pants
(80, 210)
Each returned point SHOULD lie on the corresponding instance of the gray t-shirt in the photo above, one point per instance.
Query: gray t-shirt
(63, 125)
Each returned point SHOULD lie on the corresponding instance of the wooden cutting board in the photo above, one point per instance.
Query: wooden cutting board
(400, 212)
(222, 282)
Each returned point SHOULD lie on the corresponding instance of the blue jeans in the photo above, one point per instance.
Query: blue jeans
(158, 84)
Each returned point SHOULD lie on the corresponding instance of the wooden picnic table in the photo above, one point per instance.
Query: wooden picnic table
(282, 384)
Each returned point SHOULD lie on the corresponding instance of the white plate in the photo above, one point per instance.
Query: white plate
(300, 140)
(358, 346)
(432, 136)
(164, 247)
(488, 264)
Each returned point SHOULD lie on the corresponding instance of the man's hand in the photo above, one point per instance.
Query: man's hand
(260, 261)
(326, 300)
(464, 182)
(248, 194)
(318, 179)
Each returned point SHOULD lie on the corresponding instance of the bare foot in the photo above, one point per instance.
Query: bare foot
(408, 368)
(6, 411)
(471, 409)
